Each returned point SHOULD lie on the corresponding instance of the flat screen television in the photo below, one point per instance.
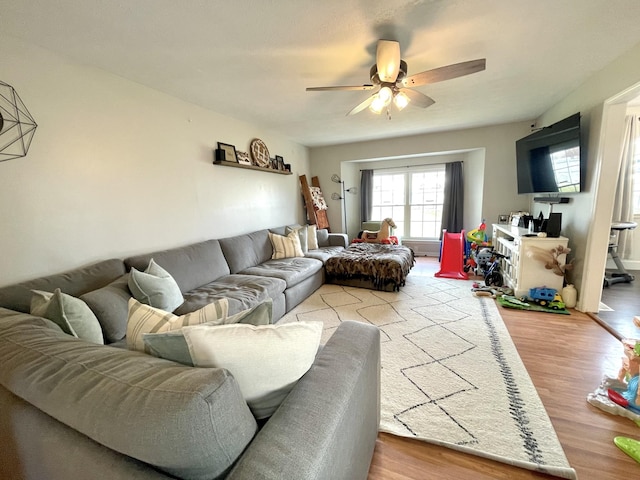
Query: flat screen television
(551, 160)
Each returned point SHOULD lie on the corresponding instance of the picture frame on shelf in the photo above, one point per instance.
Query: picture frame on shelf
(273, 163)
(229, 151)
(279, 163)
(243, 158)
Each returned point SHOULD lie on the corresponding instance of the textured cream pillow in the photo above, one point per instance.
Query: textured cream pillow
(285, 247)
(266, 361)
(312, 237)
(147, 319)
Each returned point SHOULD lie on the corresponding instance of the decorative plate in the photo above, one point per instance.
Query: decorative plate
(260, 153)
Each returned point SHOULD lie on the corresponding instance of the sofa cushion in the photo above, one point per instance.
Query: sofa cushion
(74, 282)
(147, 319)
(71, 314)
(156, 287)
(266, 361)
(110, 305)
(323, 253)
(292, 270)
(173, 346)
(191, 266)
(285, 246)
(187, 422)
(244, 251)
(242, 292)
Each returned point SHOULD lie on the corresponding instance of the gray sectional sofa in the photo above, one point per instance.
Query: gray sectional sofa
(70, 408)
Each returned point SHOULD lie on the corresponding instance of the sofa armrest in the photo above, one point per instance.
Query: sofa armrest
(338, 240)
(327, 427)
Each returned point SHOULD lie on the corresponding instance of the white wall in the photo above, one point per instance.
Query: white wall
(586, 220)
(490, 167)
(116, 168)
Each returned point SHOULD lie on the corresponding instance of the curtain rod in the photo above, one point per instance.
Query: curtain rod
(411, 166)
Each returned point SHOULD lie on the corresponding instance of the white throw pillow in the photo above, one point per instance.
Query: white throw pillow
(147, 319)
(156, 287)
(312, 237)
(285, 247)
(266, 361)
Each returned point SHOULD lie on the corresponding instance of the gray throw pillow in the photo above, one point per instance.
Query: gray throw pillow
(156, 287)
(168, 345)
(110, 305)
(323, 237)
(71, 314)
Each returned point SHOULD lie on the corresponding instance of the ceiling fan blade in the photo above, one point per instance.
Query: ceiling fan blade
(445, 73)
(361, 106)
(345, 87)
(388, 60)
(418, 99)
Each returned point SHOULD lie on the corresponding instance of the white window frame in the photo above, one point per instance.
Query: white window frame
(405, 222)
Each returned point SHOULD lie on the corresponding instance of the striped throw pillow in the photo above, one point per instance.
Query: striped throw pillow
(147, 319)
(285, 247)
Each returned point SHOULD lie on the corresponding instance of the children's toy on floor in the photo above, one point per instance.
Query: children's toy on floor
(620, 396)
(452, 256)
(629, 446)
(490, 291)
(540, 299)
(476, 250)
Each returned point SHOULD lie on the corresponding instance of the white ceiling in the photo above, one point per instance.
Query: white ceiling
(253, 59)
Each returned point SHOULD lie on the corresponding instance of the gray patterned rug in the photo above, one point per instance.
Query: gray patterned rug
(450, 372)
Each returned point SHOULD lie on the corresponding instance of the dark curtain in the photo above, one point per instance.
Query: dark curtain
(452, 209)
(366, 194)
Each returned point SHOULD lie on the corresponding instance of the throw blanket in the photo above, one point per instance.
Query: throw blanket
(380, 264)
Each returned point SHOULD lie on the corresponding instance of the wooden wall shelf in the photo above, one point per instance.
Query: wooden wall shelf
(224, 163)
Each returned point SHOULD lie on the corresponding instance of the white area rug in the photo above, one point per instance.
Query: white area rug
(450, 372)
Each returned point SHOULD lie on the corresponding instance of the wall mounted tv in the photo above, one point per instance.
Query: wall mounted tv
(551, 160)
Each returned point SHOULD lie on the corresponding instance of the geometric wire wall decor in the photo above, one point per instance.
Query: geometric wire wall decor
(17, 126)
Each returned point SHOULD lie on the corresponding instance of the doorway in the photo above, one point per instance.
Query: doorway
(620, 302)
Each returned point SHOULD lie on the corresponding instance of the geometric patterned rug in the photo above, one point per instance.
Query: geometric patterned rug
(451, 374)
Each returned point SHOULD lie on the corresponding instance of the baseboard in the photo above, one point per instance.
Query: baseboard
(423, 248)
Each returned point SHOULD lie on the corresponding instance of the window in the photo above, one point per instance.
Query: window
(413, 198)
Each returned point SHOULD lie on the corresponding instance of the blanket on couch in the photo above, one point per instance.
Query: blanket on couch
(385, 266)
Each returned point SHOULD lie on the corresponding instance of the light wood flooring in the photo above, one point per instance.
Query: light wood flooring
(566, 357)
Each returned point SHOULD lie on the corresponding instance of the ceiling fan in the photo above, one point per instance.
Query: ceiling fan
(389, 77)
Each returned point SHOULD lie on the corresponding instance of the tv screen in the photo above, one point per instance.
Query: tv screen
(551, 159)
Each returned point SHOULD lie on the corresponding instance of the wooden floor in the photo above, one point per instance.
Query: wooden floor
(566, 357)
(624, 300)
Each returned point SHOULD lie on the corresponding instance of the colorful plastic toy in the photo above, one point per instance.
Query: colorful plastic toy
(629, 446)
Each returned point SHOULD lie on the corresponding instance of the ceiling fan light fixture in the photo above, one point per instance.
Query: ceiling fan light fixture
(386, 95)
(377, 105)
(401, 100)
